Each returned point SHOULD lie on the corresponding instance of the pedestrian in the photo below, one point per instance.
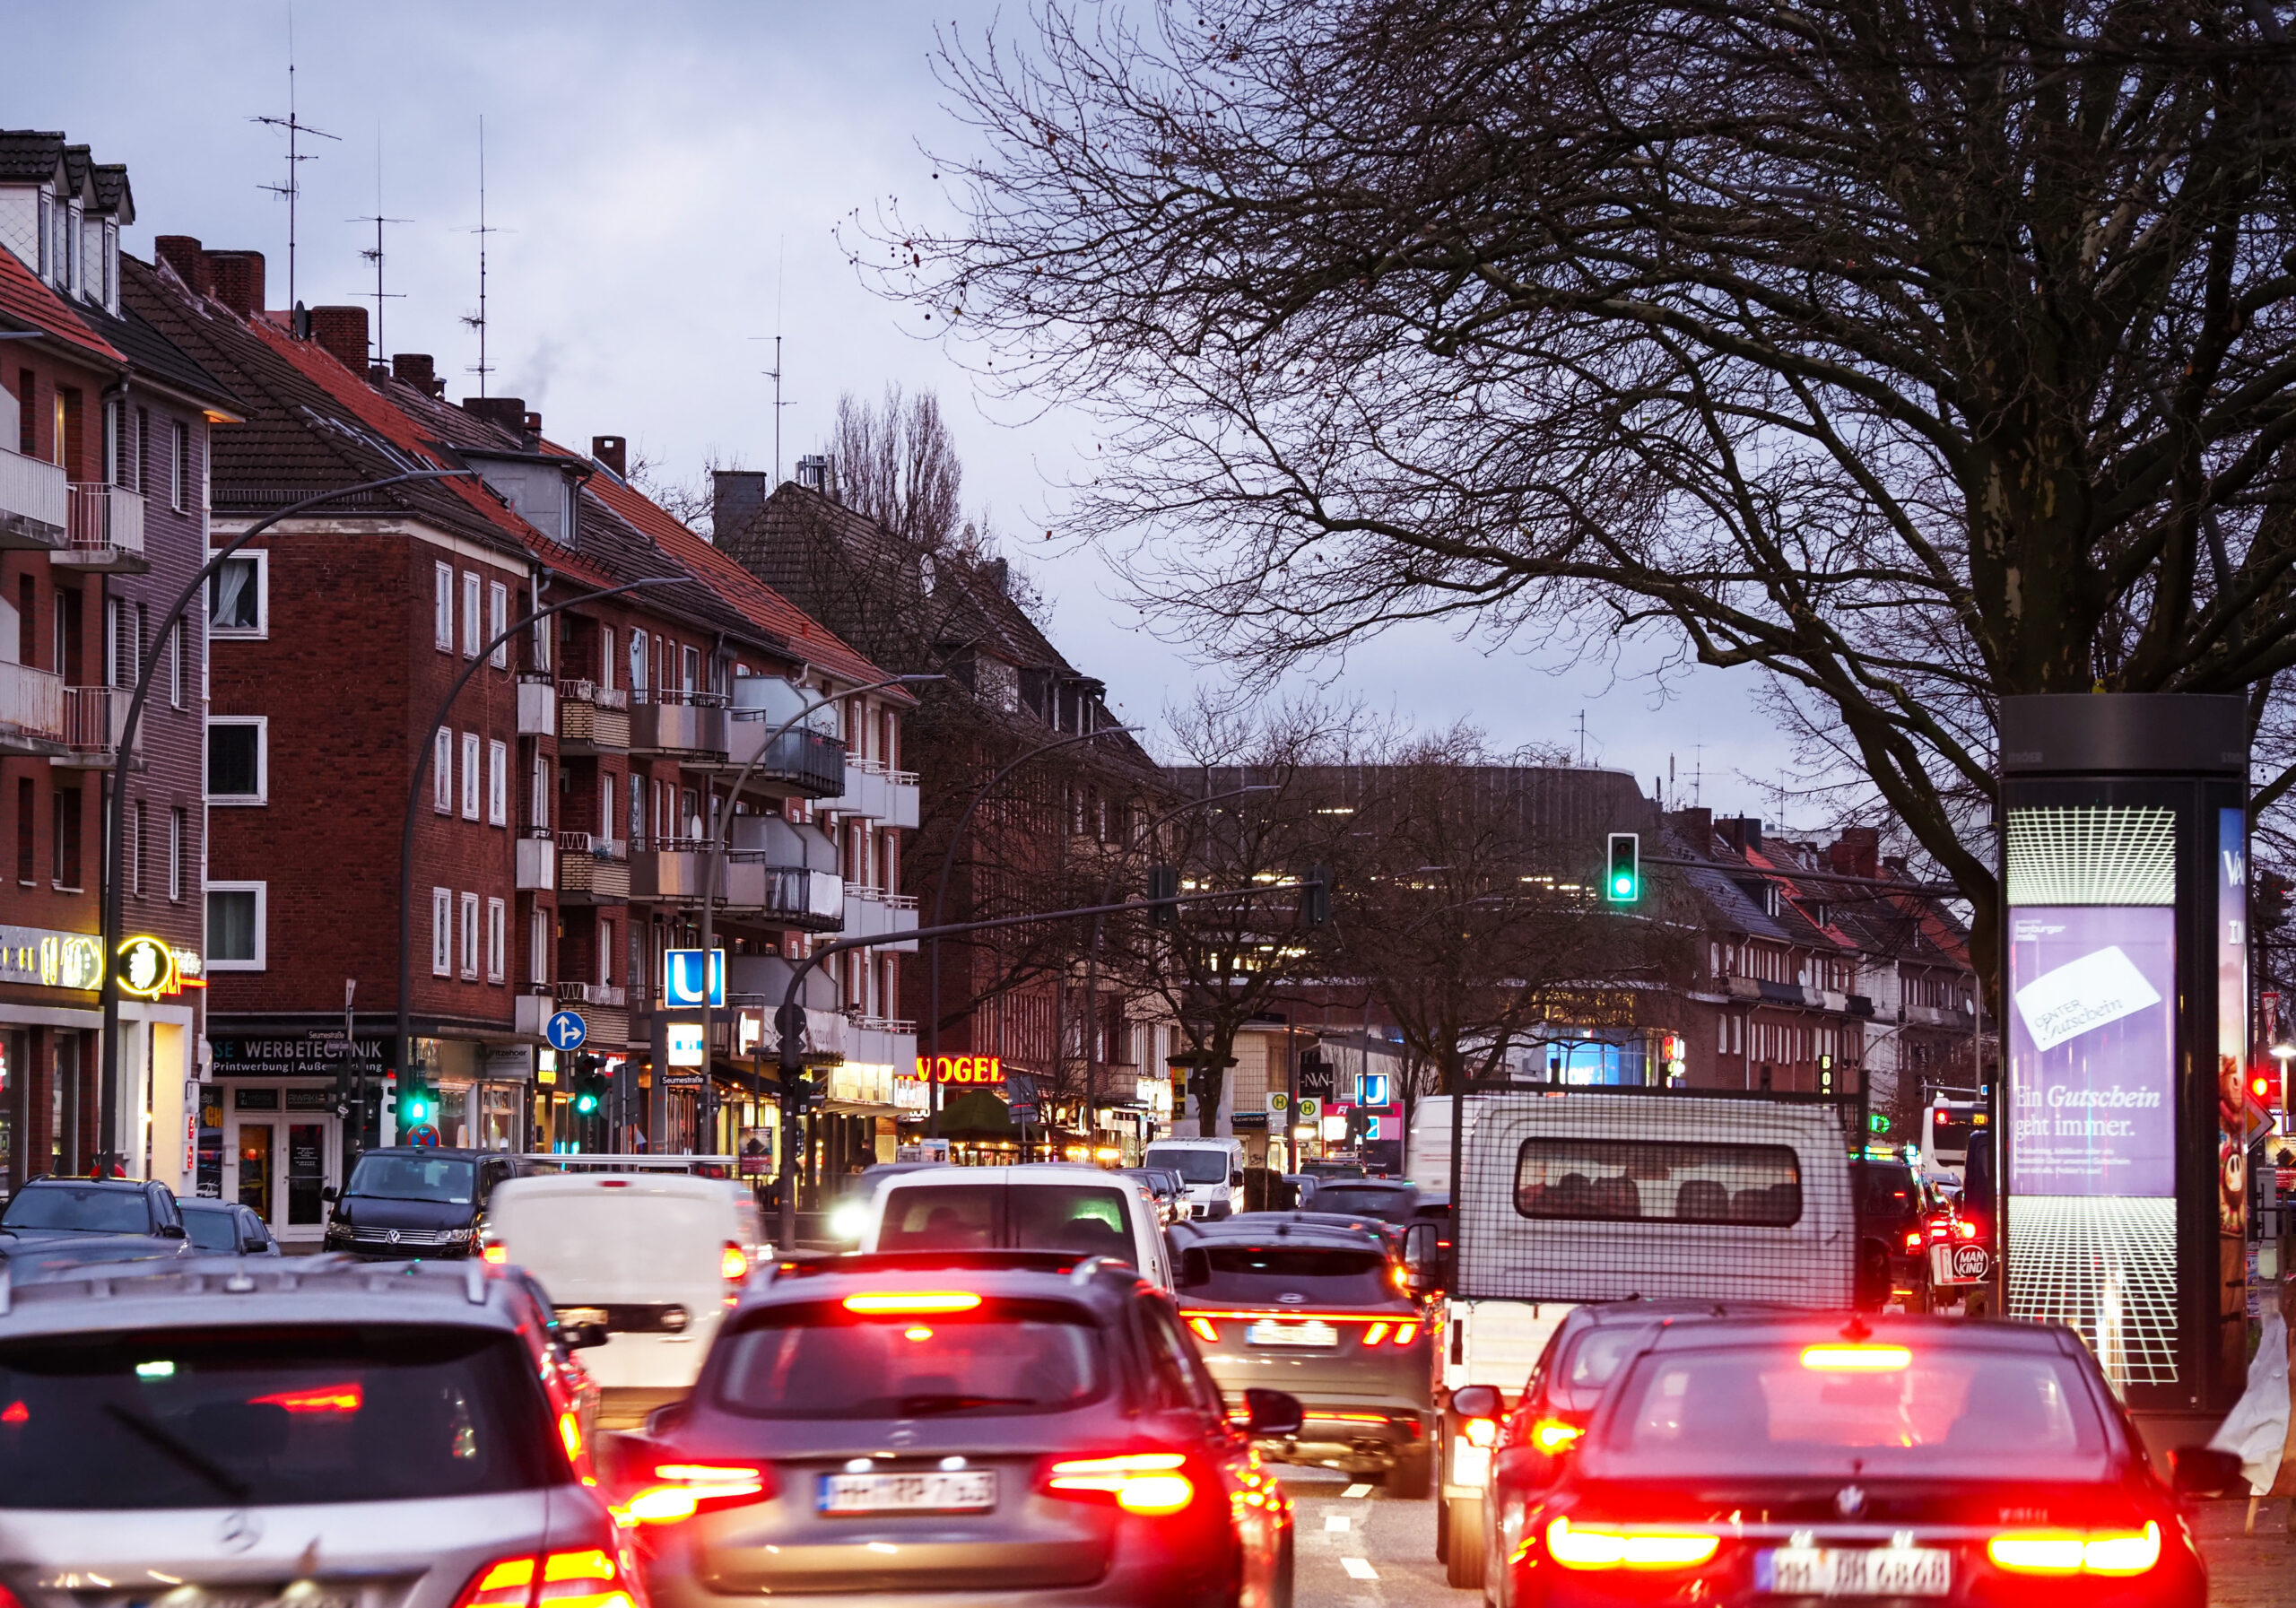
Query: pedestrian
(2257, 1429)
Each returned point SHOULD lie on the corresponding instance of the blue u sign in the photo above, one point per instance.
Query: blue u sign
(682, 975)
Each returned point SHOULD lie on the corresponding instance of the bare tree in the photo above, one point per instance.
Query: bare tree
(1914, 354)
(897, 464)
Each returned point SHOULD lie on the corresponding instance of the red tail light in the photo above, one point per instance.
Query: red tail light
(1400, 1333)
(1964, 1229)
(581, 1577)
(1204, 1329)
(1913, 1241)
(679, 1491)
(1150, 1483)
(732, 1263)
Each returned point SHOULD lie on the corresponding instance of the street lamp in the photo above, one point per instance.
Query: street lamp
(116, 806)
(940, 898)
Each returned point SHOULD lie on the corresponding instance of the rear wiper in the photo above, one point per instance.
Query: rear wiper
(913, 1405)
(230, 1485)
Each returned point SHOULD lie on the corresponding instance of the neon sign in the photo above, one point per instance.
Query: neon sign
(961, 1069)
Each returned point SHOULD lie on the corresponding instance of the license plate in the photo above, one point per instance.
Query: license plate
(1854, 1571)
(571, 1316)
(926, 1491)
(1268, 1333)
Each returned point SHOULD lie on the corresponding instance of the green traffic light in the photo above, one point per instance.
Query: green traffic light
(585, 1102)
(1623, 886)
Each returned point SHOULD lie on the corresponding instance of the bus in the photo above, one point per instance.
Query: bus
(1945, 1126)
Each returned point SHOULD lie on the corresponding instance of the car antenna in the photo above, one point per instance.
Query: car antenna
(1856, 1328)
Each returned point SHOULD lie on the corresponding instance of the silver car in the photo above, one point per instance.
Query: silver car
(314, 1431)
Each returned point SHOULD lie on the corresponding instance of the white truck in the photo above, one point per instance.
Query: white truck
(1572, 1195)
(1210, 1170)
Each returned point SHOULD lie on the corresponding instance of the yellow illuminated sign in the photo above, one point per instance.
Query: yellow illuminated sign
(148, 969)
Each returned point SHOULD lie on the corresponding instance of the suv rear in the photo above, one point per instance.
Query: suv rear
(226, 1426)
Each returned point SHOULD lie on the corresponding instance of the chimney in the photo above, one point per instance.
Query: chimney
(508, 412)
(817, 472)
(342, 331)
(1696, 826)
(414, 369)
(1895, 863)
(1858, 853)
(736, 497)
(999, 573)
(238, 280)
(182, 253)
(532, 424)
(1740, 832)
(614, 452)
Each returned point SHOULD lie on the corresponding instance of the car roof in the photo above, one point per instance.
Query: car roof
(1879, 1329)
(461, 1153)
(208, 1203)
(1301, 1228)
(1100, 1282)
(191, 1293)
(1032, 1172)
(55, 1181)
(641, 1183)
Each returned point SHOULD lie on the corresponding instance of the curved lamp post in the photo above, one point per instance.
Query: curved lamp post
(116, 806)
(940, 898)
(404, 1036)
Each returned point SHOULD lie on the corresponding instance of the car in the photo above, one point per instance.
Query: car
(1211, 1172)
(1957, 1461)
(49, 1207)
(1322, 1310)
(1052, 1206)
(565, 1339)
(1894, 1208)
(1172, 1195)
(211, 1421)
(415, 1200)
(1017, 1428)
(226, 1227)
(1387, 1200)
(850, 1215)
(1590, 1348)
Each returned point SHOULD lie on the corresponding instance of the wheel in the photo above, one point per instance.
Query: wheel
(1413, 1477)
(1443, 1529)
(1464, 1554)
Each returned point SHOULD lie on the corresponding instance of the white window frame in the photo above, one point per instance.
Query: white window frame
(498, 940)
(605, 952)
(178, 830)
(178, 463)
(470, 937)
(262, 795)
(472, 623)
(498, 783)
(538, 787)
(262, 891)
(637, 661)
(175, 667)
(261, 629)
(442, 771)
(442, 607)
(538, 945)
(442, 931)
(498, 618)
(470, 775)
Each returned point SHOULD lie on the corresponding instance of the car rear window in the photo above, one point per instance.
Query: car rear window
(1195, 1166)
(1393, 1205)
(1251, 1272)
(1846, 1410)
(211, 1231)
(1595, 1357)
(91, 1208)
(252, 1417)
(1887, 1195)
(819, 1360)
(1088, 1218)
(1625, 1180)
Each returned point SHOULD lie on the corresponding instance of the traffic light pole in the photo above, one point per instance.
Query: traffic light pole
(789, 1020)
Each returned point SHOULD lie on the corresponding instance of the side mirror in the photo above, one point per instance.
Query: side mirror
(1477, 1401)
(168, 1230)
(330, 1194)
(581, 1335)
(2198, 1471)
(1273, 1413)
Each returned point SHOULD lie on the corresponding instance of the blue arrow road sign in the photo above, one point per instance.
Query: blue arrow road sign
(566, 1031)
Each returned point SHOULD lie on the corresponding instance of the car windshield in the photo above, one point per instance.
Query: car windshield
(91, 1209)
(254, 1417)
(444, 1179)
(1363, 1200)
(209, 1230)
(1195, 1166)
(1852, 1410)
(1253, 1273)
(822, 1361)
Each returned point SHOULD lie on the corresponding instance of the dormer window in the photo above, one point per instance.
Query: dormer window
(74, 278)
(537, 490)
(47, 265)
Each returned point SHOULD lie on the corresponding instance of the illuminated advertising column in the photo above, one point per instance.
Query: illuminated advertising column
(2124, 888)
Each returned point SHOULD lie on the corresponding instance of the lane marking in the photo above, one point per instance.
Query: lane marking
(1357, 1490)
(1334, 1521)
(1359, 1568)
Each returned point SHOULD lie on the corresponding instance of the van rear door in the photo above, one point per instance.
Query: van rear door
(1091, 1219)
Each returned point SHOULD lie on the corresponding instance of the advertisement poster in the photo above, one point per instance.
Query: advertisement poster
(2091, 1050)
(2232, 1021)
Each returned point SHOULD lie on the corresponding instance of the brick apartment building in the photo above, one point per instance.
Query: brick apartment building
(103, 470)
(573, 779)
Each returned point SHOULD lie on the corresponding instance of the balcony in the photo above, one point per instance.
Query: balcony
(537, 707)
(756, 881)
(92, 719)
(607, 1025)
(876, 793)
(808, 763)
(31, 711)
(681, 724)
(592, 719)
(105, 531)
(34, 502)
(538, 863)
(603, 994)
(871, 913)
(592, 869)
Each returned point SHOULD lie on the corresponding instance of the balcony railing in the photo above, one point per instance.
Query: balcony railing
(105, 529)
(611, 994)
(31, 710)
(583, 690)
(594, 845)
(678, 723)
(33, 501)
(678, 695)
(809, 763)
(92, 717)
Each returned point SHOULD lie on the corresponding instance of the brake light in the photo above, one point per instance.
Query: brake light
(732, 1263)
(1552, 1435)
(2075, 1552)
(1913, 1241)
(1482, 1431)
(570, 1436)
(1204, 1329)
(908, 1301)
(1406, 1333)
(1610, 1546)
(495, 1253)
(1375, 1333)
(1965, 1230)
(323, 1398)
(682, 1489)
(1856, 1358)
(1144, 1482)
(582, 1577)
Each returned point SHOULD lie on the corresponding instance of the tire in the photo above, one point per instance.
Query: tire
(1413, 1478)
(1443, 1529)
(1464, 1552)
(1280, 1596)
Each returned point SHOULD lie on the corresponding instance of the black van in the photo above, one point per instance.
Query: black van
(406, 1200)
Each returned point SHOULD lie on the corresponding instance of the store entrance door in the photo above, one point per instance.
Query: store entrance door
(283, 1153)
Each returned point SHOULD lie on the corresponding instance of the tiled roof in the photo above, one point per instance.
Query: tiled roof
(153, 356)
(112, 194)
(29, 156)
(1911, 926)
(27, 303)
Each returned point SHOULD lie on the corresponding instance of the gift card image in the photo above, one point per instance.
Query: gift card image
(2082, 994)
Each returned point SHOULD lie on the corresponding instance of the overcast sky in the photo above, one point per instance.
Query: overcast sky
(666, 178)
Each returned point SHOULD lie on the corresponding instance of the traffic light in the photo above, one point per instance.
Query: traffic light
(1623, 885)
(2263, 1087)
(1163, 895)
(416, 1105)
(1315, 897)
(588, 1086)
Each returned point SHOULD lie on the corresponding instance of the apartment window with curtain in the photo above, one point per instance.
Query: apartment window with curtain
(470, 775)
(470, 937)
(175, 669)
(442, 931)
(178, 465)
(442, 771)
(472, 626)
(605, 952)
(442, 607)
(237, 596)
(538, 801)
(498, 620)
(498, 783)
(538, 945)
(637, 807)
(498, 940)
(179, 840)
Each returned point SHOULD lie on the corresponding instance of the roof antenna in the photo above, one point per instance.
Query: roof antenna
(478, 322)
(781, 256)
(375, 255)
(296, 128)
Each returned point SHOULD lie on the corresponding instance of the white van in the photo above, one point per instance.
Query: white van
(656, 1258)
(1211, 1168)
(1048, 1206)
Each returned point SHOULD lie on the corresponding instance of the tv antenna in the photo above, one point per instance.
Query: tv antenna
(296, 129)
(478, 321)
(374, 254)
(780, 258)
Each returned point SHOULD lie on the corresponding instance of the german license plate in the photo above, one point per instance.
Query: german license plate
(930, 1491)
(1854, 1571)
(1267, 1332)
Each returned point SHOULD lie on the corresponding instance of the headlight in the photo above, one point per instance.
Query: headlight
(849, 1220)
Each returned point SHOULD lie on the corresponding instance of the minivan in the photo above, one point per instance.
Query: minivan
(1050, 1207)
